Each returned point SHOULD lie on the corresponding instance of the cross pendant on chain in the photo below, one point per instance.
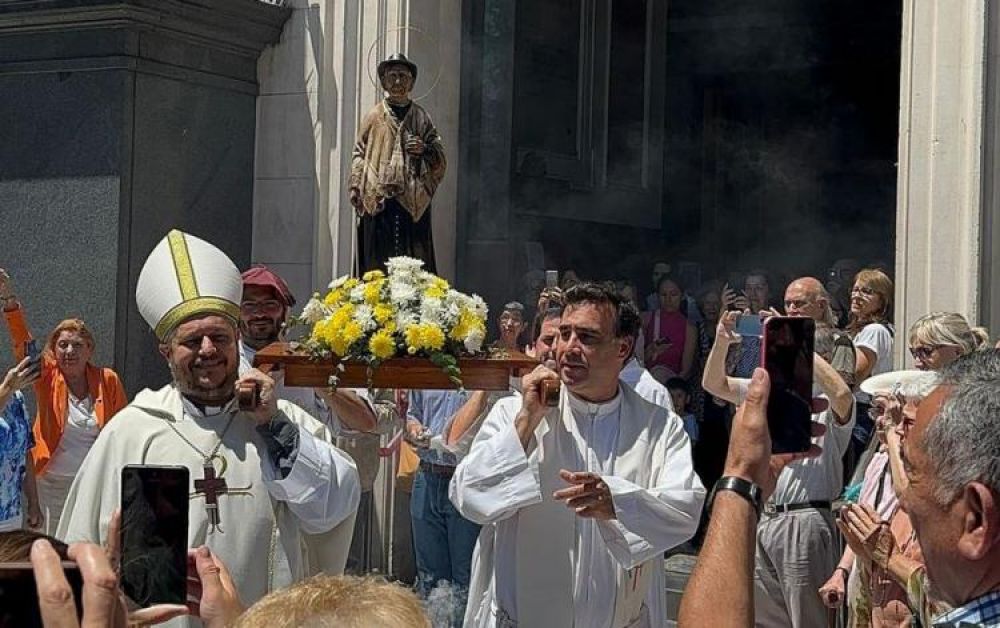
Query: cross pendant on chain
(211, 487)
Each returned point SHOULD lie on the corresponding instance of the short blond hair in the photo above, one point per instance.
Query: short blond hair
(341, 601)
(948, 329)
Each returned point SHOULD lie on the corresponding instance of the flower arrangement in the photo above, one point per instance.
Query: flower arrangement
(409, 312)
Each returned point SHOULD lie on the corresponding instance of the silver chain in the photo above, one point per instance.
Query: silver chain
(208, 458)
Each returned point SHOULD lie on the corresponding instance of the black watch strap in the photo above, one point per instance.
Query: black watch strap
(744, 488)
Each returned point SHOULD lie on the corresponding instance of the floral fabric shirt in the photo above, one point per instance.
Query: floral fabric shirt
(15, 442)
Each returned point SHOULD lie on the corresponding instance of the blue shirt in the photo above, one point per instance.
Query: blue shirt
(982, 612)
(15, 442)
(434, 409)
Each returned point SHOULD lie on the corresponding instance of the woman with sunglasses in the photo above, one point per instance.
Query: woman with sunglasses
(940, 338)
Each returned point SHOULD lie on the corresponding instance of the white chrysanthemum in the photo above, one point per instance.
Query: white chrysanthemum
(405, 318)
(432, 311)
(474, 341)
(339, 281)
(401, 292)
(403, 265)
(358, 293)
(478, 306)
(364, 315)
(314, 311)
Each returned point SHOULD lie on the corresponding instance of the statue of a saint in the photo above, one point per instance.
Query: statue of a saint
(398, 163)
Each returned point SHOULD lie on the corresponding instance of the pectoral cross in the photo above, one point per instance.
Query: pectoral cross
(211, 487)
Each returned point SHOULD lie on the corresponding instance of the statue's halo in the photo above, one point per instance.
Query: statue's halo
(437, 53)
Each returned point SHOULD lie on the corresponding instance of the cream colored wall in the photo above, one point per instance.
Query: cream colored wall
(939, 198)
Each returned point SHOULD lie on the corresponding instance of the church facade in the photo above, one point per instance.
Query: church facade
(561, 127)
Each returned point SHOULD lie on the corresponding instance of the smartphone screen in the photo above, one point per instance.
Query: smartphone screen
(551, 278)
(19, 595)
(154, 534)
(749, 325)
(788, 358)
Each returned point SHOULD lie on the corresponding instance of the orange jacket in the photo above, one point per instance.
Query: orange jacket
(52, 394)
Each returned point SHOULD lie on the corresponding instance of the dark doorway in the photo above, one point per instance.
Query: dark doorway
(719, 136)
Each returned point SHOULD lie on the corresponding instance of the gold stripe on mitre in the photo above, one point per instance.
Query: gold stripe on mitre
(199, 305)
(182, 266)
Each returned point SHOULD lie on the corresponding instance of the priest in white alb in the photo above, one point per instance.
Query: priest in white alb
(281, 494)
(585, 497)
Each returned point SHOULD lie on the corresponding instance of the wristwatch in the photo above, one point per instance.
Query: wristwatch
(744, 488)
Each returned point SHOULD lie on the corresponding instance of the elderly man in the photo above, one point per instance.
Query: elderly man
(795, 539)
(397, 165)
(585, 497)
(277, 478)
(952, 492)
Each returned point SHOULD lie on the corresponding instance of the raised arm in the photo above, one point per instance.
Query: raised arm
(714, 380)
(836, 390)
(14, 315)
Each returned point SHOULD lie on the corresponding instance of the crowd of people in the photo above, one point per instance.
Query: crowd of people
(516, 512)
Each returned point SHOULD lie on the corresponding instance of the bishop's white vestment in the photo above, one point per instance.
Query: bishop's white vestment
(539, 564)
(269, 527)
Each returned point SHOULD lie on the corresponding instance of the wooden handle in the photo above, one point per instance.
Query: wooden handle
(550, 392)
(248, 396)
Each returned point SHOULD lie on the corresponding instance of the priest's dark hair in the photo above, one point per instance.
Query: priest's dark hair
(627, 320)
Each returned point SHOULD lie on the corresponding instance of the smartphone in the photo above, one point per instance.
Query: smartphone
(154, 535)
(19, 594)
(31, 349)
(552, 279)
(749, 325)
(788, 357)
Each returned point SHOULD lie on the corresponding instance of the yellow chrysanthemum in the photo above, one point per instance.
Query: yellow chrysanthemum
(372, 275)
(435, 292)
(333, 298)
(351, 332)
(466, 324)
(373, 292)
(323, 331)
(339, 345)
(342, 316)
(432, 337)
(350, 284)
(384, 313)
(412, 337)
(381, 345)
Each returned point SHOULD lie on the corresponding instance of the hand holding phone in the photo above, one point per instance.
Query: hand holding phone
(788, 348)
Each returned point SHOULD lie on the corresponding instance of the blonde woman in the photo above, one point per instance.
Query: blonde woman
(940, 338)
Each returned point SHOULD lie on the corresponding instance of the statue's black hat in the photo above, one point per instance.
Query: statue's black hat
(397, 59)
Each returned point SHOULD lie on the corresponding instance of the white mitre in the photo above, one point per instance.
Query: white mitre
(185, 276)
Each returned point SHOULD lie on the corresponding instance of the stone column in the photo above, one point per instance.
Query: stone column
(941, 175)
(121, 120)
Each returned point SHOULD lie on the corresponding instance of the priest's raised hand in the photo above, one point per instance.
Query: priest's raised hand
(265, 407)
(533, 406)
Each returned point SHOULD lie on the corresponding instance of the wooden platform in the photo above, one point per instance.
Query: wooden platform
(479, 373)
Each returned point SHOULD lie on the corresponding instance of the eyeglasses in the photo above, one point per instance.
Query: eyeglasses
(270, 306)
(797, 304)
(924, 353)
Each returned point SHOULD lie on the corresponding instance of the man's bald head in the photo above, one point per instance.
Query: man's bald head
(807, 297)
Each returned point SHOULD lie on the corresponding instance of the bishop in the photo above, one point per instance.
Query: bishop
(269, 494)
